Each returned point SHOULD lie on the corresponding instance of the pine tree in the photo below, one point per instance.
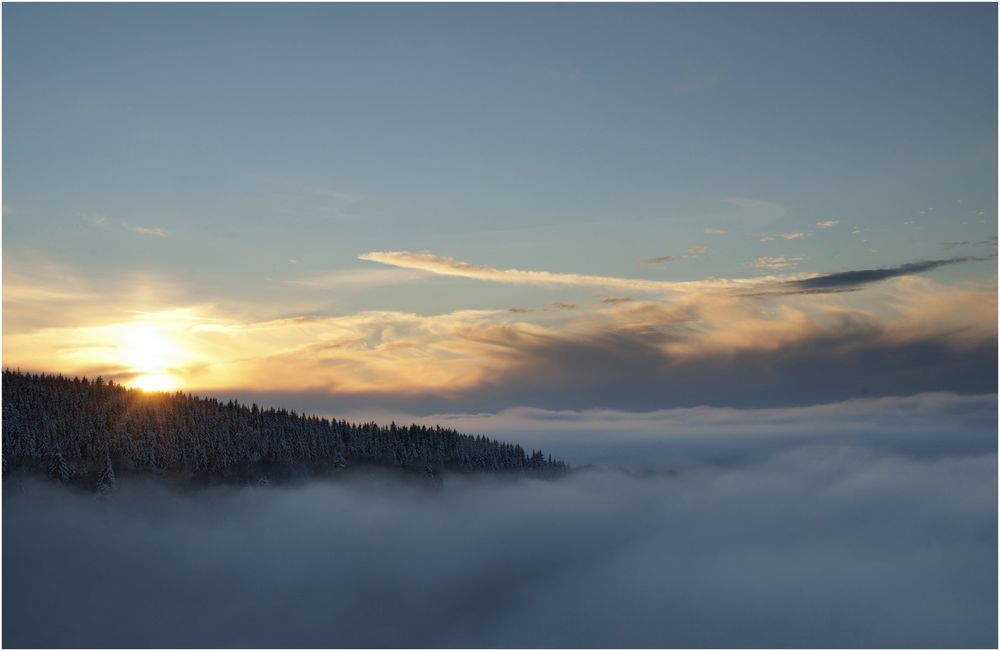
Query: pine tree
(106, 480)
(90, 420)
(59, 469)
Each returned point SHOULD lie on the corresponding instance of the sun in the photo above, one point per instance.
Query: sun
(150, 354)
(155, 382)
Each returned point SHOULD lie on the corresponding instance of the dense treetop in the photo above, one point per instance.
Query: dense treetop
(83, 430)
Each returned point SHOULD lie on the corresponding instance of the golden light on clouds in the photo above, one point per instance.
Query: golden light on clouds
(206, 347)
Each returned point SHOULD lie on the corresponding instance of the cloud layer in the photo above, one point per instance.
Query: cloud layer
(810, 546)
(677, 438)
(577, 342)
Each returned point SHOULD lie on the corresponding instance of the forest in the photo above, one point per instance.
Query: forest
(91, 432)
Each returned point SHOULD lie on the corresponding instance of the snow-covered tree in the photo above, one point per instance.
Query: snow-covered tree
(89, 423)
(106, 480)
(59, 469)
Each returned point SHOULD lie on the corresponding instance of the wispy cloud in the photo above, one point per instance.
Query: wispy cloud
(357, 279)
(148, 231)
(949, 245)
(691, 252)
(714, 231)
(445, 266)
(765, 285)
(100, 221)
(783, 236)
(830, 223)
(776, 262)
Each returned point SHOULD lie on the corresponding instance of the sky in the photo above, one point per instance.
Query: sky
(447, 210)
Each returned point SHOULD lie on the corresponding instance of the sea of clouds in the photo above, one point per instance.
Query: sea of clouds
(880, 533)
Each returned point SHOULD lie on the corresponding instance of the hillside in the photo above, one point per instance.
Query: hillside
(90, 431)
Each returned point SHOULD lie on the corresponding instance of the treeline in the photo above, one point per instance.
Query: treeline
(90, 431)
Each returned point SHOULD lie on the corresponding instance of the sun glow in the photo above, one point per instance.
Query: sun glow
(155, 382)
(150, 354)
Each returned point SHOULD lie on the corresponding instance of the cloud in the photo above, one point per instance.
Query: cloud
(808, 543)
(714, 231)
(446, 266)
(949, 245)
(776, 262)
(356, 279)
(784, 236)
(727, 351)
(95, 219)
(853, 279)
(691, 252)
(666, 439)
(830, 223)
(706, 342)
(804, 363)
(660, 260)
(148, 231)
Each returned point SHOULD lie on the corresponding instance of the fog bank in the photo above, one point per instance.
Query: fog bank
(821, 545)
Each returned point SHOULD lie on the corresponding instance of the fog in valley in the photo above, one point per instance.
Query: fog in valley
(874, 540)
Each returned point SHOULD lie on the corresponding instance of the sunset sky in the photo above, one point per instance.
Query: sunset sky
(457, 209)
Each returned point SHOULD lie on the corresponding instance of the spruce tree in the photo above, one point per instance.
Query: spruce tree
(106, 480)
(59, 469)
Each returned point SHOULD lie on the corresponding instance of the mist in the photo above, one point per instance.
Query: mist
(829, 544)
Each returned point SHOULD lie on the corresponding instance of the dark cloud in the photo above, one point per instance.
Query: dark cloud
(564, 306)
(949, 244)
(617, 299)
(848, 280)
(811, 546)
(628, 369)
